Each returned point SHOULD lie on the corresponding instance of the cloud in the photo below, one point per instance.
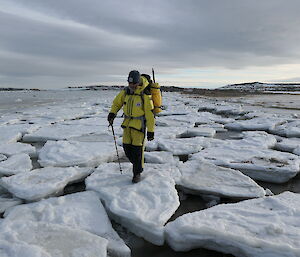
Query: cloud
(86, 40)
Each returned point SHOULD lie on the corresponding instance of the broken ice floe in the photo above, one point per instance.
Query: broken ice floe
(288, 144)
(144, 207)
(61, 132)
(17, 148)
(6, 201)
(260, 123)
(261, 164)
(42, 183)
(2, 157)
(71, 153)
(221, 108)
(13, 133)
(21, 249)
(82, 211)
(297, 150)
(208, 118)
(253, 139)
(55, 240)
(160, 157)
(198, 132)
(185, 146)
(202, 177)
(288, 129)
(15, 164)
(229, 109)
(256, 228)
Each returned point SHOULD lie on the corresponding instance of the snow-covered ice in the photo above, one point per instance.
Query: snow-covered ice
(82, 211)
(185, 146)
(262, 164)
(2, 157)
(288, 144)
(13, 133)
(17, 249)
(259, 123)
(56, 240)
(17, 148)
(288, 129)
(144, 207)
(7, 201)
(71, 153)
(15, 164)
(42, 183)
(202, 177)
(80, 117)
(61, 132)
(198, 132)
(260, 227)
(160, 157)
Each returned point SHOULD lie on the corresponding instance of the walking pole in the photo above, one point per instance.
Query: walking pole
(113, 131)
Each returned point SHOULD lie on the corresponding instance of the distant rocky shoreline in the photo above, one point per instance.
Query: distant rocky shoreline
(18, 89)
(251, 88)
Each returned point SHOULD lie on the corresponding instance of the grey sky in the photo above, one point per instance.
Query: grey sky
(54, 44)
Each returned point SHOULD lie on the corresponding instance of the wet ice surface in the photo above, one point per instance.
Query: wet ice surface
(67, 129)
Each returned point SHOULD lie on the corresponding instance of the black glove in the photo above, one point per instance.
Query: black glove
(111, 116)
(150, 136)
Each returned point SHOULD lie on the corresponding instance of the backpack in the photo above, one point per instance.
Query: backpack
(155, 91)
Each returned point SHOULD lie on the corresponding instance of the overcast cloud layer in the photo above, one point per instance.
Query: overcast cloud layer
(55, 44)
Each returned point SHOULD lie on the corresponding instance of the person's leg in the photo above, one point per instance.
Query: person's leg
(137, 150)
(127, 144)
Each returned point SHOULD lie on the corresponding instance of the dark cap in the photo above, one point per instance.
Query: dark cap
(134, 77)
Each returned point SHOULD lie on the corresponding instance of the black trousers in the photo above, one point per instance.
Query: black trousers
(135, 156)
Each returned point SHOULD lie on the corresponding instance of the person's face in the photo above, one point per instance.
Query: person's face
(133, 86)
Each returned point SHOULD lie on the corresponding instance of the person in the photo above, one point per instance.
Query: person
(138, 120)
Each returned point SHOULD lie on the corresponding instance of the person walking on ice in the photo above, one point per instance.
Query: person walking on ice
(139, 119)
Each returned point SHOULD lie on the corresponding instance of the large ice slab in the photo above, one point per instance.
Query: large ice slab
(253, 139)
(62, 132)
(7, 201)
(262, 164)
(208, 118)
(17, 148)
(56, 240)
(261, 227)
(2, 157)
(144, 207)
(15, 164)
(198, 132)
(202, 177)
(229, 109)
(180, 146)
(17, 249)
(160, 157)
(78, 211)
(259, 123)
(288, 144)
(13, 133)
(185, 146)
(42, 183)
(71, 153)
(288, 129)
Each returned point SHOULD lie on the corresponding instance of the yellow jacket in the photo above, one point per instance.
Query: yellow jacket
(137, 107)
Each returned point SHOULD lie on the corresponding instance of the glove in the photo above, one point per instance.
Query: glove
(150, 136)
(110, 118)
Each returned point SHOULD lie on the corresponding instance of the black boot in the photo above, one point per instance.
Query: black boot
(136, 178)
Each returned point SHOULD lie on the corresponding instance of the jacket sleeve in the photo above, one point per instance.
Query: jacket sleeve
(149, 115)
(118, 102)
